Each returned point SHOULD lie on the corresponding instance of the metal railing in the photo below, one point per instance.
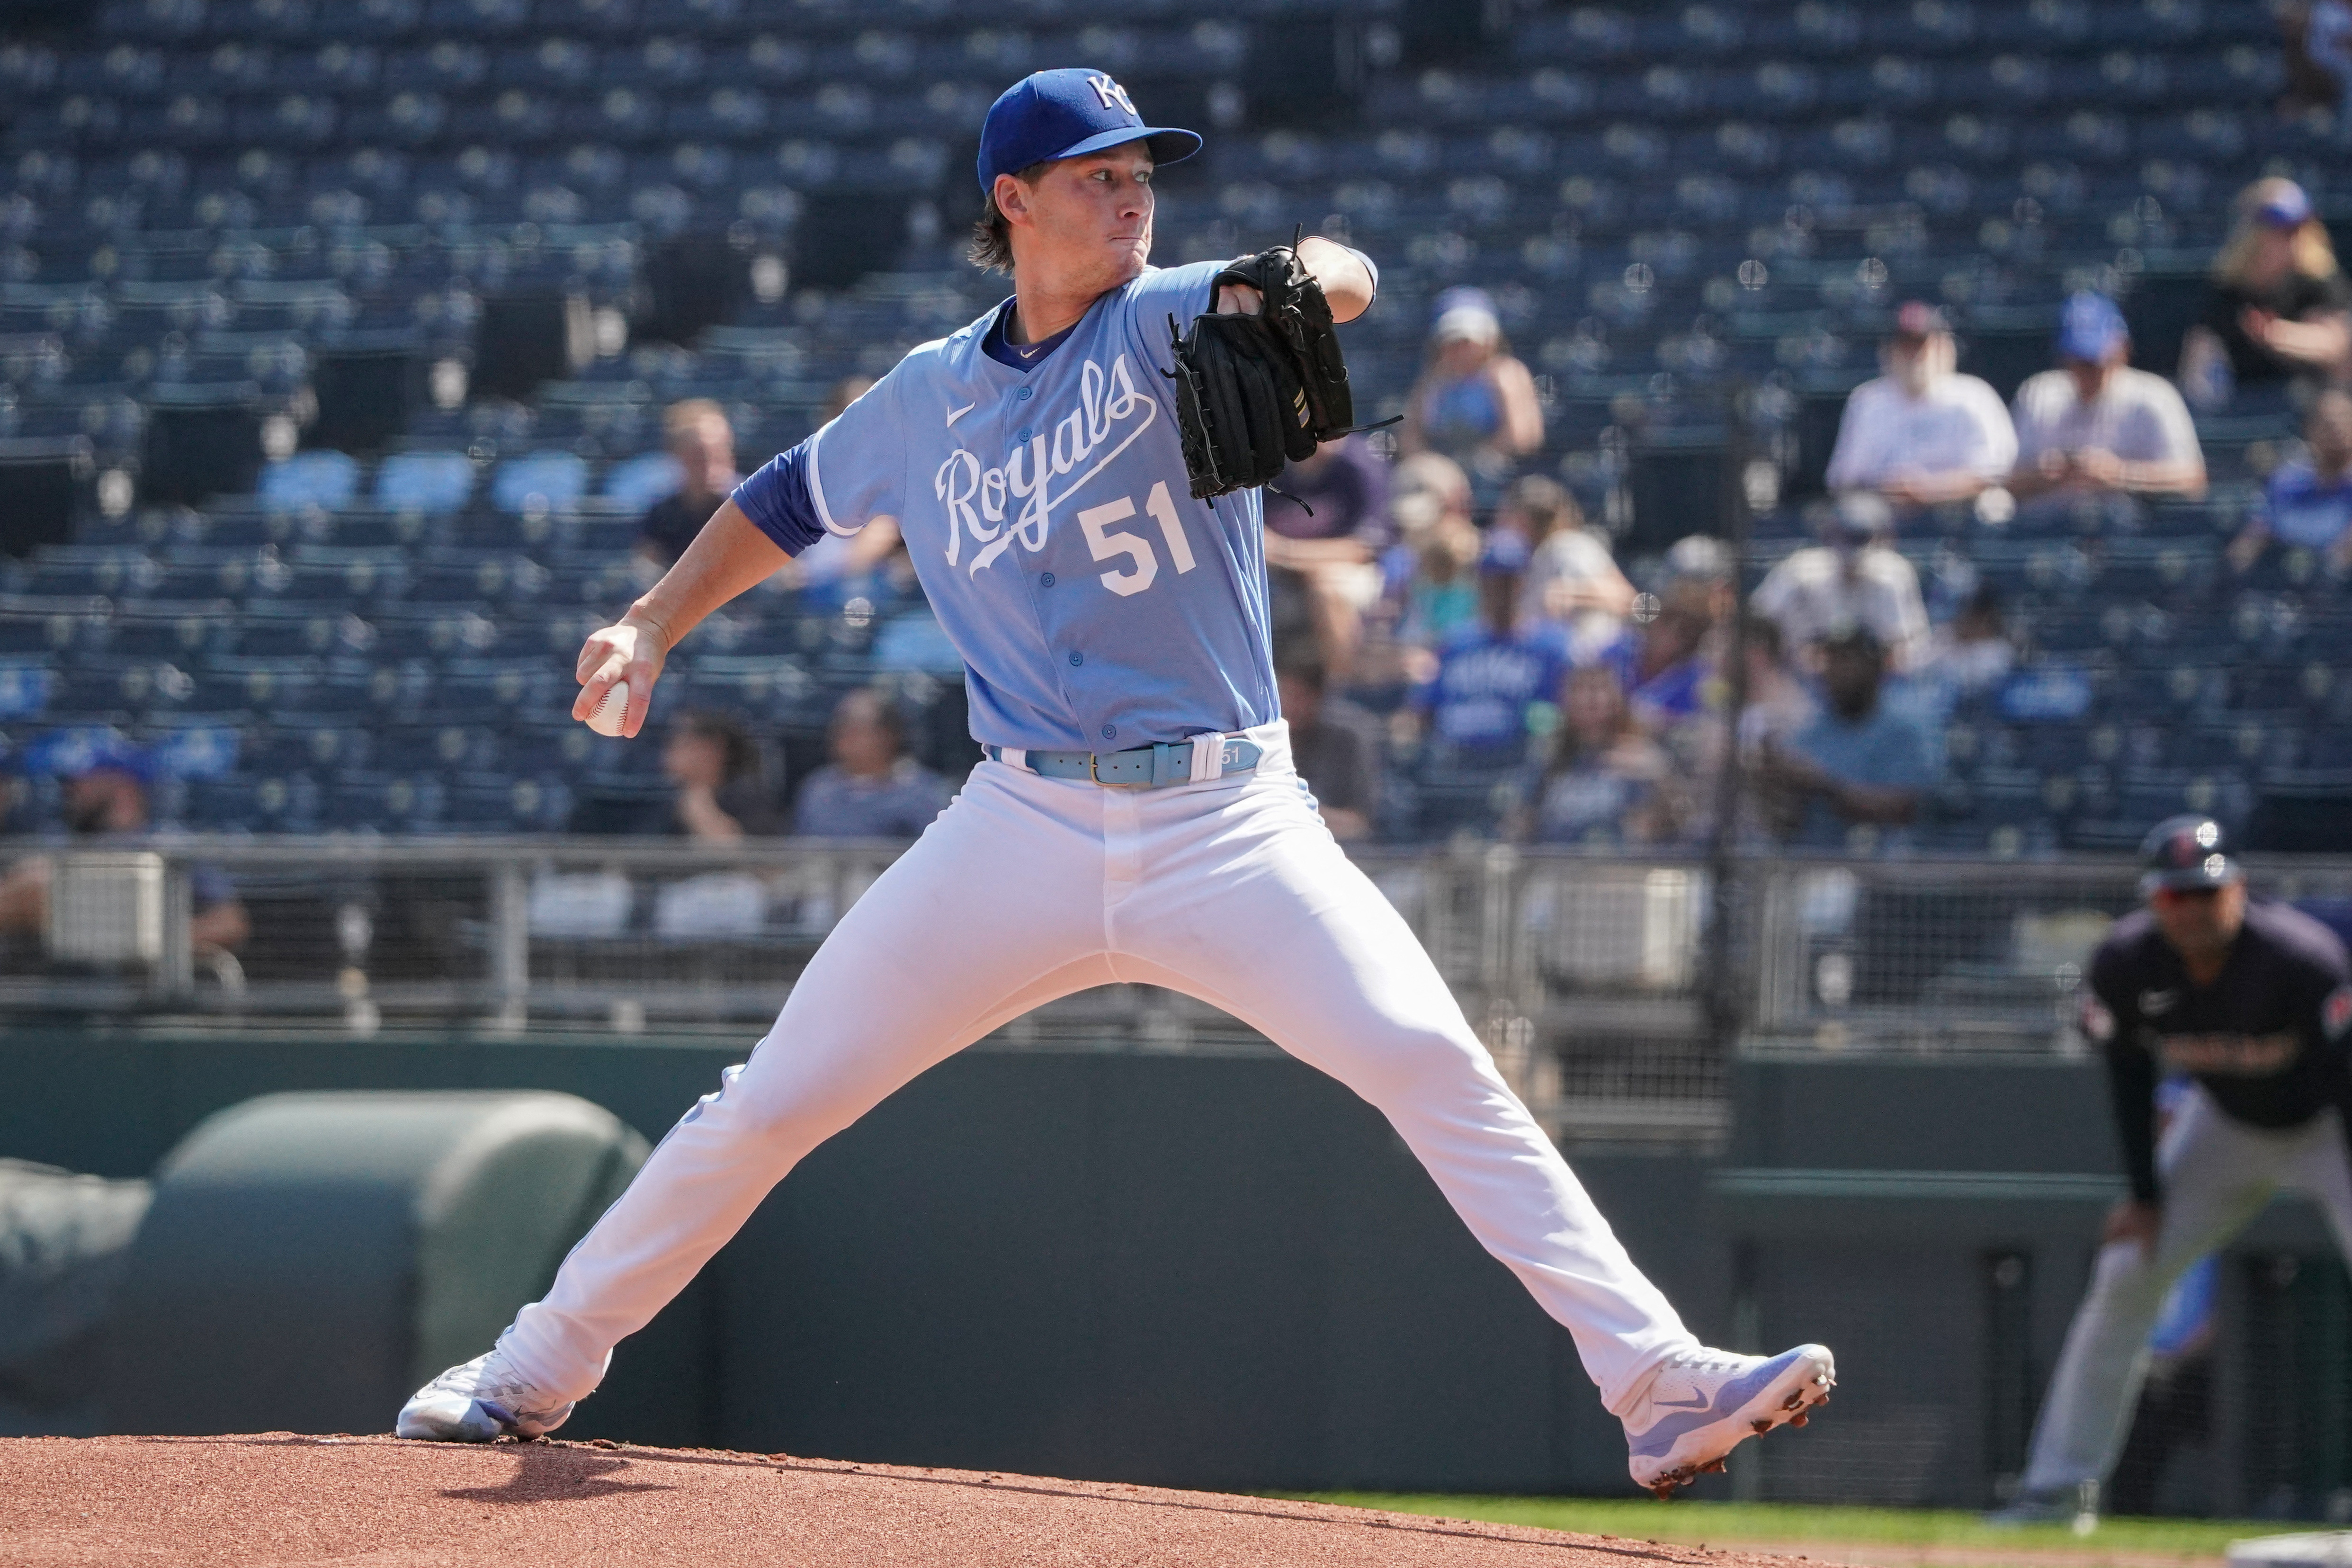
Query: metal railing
(1611, 990)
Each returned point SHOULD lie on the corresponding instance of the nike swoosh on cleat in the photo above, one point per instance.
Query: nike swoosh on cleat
(960, 413)
(1701, 1403)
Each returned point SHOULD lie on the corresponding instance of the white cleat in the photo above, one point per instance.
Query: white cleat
(484, 1399)
(1703, 1404)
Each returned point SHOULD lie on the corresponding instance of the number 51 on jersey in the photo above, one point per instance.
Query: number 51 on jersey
(1105, 544)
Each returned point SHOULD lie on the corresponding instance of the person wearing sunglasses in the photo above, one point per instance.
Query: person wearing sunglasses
(2250, 1002)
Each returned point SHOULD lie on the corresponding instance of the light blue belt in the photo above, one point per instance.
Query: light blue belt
(1204, 757)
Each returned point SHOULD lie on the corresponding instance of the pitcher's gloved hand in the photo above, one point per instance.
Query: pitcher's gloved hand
(1256, 390)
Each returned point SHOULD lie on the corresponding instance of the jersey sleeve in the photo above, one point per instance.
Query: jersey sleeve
(2112, 1023)
(1183, 292)
(837, 480)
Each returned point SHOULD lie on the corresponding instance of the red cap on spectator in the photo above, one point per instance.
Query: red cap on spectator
(1917, 319)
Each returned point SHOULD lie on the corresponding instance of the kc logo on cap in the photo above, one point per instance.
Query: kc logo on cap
(1068, 113)
(1113, 96)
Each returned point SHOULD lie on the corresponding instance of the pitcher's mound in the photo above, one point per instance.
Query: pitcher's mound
(374, 1502)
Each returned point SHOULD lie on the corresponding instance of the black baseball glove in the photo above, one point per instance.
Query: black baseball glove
(1253, 392)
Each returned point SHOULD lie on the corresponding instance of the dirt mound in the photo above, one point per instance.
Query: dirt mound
(373, 1502)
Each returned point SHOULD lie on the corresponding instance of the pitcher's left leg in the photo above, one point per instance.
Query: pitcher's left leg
(1250, 905)
(1246, 901)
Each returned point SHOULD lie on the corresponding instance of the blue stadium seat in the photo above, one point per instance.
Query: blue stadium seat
(161, 629)
(254, 803)
(637, 482)
(508, 804)
(542, 481)
(328, 481)
(431, 482)
(399, 801)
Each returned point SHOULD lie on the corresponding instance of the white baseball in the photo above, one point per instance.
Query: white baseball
(612, 711)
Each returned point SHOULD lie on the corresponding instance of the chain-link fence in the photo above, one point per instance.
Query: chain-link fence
(1611, 990)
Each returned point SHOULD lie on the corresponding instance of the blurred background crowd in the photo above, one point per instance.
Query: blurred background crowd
(1868, 429)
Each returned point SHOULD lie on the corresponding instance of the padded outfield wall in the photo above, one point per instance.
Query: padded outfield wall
(1222, 1271)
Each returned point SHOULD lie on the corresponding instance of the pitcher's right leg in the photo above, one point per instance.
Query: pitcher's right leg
(994, 911)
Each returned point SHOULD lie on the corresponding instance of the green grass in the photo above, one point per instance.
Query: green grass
(1784, 1524)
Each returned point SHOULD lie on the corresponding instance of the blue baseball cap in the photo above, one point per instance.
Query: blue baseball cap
(1068, 114)
(1504, 552)
(2285, 207)
(2090, 327)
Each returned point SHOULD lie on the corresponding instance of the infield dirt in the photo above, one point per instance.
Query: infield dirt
(282, 1499)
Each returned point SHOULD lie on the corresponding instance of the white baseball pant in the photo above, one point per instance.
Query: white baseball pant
(2217, 1174)
(1026, 889)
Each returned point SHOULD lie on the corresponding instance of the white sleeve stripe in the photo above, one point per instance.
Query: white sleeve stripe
(816, 489)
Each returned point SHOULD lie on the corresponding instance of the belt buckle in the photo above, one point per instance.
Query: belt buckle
(1093, 759)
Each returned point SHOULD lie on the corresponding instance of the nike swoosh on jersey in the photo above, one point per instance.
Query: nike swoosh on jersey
(955, 414)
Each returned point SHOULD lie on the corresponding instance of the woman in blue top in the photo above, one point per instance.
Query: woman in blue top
(1474, 401)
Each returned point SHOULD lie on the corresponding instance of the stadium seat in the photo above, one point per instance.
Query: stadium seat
(430, 483)
(639, 481)
(543, 481)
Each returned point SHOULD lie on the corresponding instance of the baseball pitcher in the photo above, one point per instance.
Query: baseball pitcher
(1077, 474)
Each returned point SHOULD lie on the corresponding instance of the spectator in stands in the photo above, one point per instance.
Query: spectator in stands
(1327, 520)
(1335, 746)
(1492, 674)
(1778, 706)
(2277, 310)
(1429, 501)
(1853, 577)
(700, 439)
(869, 789)
(1921, 433)
(1572, 580)
(1606, 781)
(1972, 652)
(839, 567)
(2097, 425)
(2318, 39)
(720, 795)
(1669, 664)
(2308, 503)
(1440, 597)
(1474, 401)
(1857, 764)
(105, 797)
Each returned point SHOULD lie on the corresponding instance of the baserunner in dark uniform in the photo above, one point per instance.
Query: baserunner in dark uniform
(2252, 1002)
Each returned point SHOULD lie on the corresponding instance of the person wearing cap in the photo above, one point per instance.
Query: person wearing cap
(1474, 401)
(1136, 815)
(2252, 1002)
(2307, 503)
(104, 784)
(1491, 675)
(1859, 764)
(2277, 309)
(2095, 425)
(1920, 433)
(1853, 577)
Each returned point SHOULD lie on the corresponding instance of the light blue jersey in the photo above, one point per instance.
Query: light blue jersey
(1096, 605)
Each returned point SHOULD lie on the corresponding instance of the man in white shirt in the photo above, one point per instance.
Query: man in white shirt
(1853, 578)
(1922, 434)
(2095, 425)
